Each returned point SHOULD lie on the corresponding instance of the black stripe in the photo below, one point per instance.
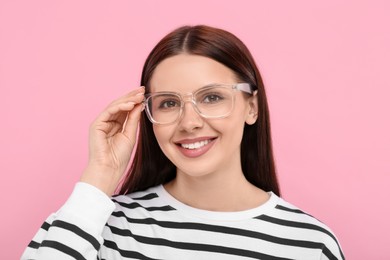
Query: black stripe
(78, 231)
(134, 205)
(295, 224)
(292, 210)
(302, 212)
(126, 253)
(63, 248)
(45, 226)
(231, 231)
(147, 197)
(221, 229)
(329, 254)
(34, 244)
(191, 246)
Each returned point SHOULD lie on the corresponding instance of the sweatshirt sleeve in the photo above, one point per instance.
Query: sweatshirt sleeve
(74, 232)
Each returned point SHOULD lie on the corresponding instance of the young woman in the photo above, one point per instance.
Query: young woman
(202, 183)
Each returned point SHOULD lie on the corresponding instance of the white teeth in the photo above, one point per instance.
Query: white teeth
(195, 145)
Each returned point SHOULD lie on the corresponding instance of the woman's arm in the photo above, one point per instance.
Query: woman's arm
(74, 232)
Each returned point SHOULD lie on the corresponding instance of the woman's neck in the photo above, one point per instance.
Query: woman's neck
(216, 192)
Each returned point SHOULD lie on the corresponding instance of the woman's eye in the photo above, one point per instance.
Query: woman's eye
(212, 98)
(169, 104)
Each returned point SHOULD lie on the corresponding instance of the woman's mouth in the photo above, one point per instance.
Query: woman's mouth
(195, 148)
(196, 145)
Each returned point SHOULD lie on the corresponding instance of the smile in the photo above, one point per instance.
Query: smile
(195, 145)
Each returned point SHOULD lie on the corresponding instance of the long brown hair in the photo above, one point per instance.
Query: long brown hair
(150, 167)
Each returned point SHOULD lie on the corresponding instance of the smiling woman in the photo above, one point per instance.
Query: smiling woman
(212, 126)
(202, 184)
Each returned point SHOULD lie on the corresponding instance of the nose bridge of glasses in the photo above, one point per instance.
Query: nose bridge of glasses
(188, 97)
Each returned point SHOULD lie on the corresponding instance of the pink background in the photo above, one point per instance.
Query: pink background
(325, 66)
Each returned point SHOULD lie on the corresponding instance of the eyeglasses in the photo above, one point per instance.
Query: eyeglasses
(212, 101)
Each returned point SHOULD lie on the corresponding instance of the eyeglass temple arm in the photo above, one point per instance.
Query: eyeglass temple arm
(245, 87)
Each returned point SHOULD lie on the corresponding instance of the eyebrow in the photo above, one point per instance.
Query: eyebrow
(214, 84)
(204, 86)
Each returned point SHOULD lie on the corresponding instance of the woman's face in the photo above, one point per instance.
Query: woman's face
(198, 146)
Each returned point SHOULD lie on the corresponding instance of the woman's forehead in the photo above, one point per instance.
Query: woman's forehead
(186, 73)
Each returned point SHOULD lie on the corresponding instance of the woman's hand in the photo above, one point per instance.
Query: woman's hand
(112, 137)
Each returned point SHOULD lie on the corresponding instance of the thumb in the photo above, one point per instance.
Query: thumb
(131, 124)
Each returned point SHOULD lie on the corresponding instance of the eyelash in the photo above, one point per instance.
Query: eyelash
(165, 102)
(213, 97)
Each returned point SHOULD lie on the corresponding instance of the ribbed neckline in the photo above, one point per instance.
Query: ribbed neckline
(270, 204)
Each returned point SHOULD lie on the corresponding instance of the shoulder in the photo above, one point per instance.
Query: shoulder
(304, 226)
(147, 200)
(295, 216)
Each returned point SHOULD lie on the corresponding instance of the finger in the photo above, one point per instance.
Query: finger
(111, 112)
(125, 123)
(115, 111)
(135, 96)
(132, 119)
(115, 114)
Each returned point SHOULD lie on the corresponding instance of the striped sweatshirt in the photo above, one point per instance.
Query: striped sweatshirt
(154, 225)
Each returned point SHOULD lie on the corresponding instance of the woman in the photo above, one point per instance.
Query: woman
(202, 183)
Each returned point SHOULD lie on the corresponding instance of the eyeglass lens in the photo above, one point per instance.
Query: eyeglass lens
(210, 102)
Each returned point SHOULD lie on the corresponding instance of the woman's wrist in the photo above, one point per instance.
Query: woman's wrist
(105, 179)
(87, 207)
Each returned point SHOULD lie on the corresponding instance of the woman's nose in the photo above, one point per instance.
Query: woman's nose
(190, 119)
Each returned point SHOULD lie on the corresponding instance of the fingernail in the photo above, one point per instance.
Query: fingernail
(143, 107)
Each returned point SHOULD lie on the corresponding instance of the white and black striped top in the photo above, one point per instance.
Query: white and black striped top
(154, 225)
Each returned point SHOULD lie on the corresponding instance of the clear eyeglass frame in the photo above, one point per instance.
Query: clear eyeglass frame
(190, 97)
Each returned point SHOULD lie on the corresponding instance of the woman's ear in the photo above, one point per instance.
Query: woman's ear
(253, 109)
